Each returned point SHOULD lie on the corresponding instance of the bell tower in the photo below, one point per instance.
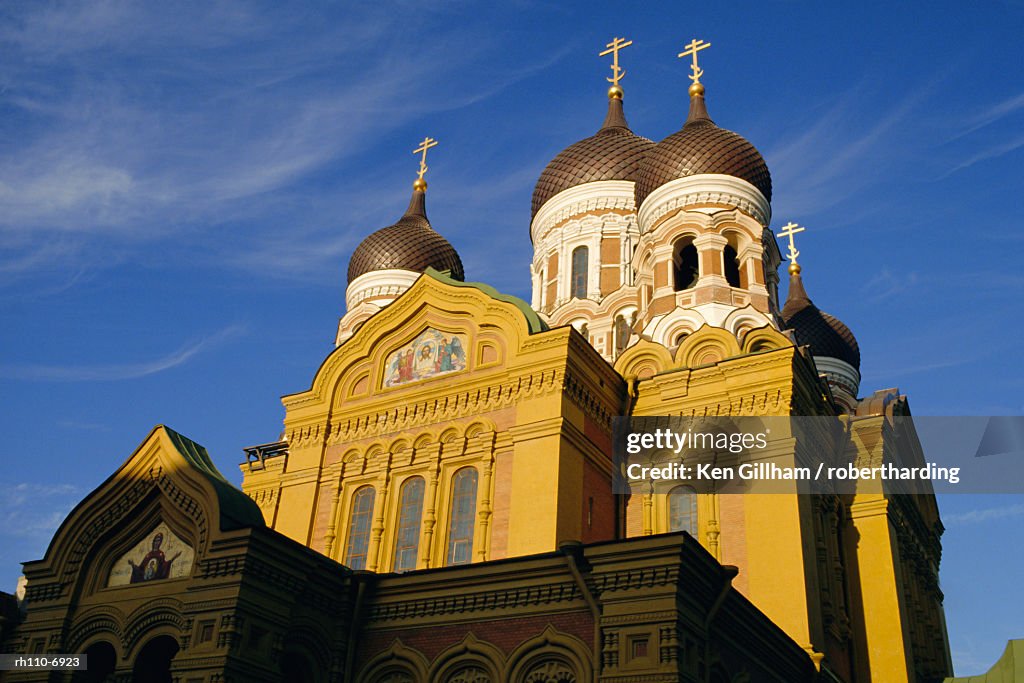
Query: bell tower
(705, 255)
(584, 228)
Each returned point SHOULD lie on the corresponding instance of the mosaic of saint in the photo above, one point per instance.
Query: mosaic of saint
(431, 353)
(160, 555)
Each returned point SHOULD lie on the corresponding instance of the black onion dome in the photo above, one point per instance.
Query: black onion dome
(409, 244)
(613, 153)
(825, 334)
(701, 147)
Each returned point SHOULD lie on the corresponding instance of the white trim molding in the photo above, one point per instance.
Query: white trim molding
(386, 284)
(704, 188)
(595, 196)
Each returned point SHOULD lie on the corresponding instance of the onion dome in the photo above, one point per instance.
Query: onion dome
(410, 244)
(613, 153)
(701, 147)
(826, 335)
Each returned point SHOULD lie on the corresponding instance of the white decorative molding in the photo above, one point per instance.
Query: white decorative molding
(595, 196)
(746, 317)
(715, 313)
(664, 328)
(379, 283)
(843, 378)
(704, 188)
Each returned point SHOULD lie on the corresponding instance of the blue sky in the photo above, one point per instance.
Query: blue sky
(181, 185)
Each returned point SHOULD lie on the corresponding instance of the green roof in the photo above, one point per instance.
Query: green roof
(237, 510)
(532, 318)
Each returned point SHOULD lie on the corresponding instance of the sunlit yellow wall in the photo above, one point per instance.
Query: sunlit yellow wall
(530, 413)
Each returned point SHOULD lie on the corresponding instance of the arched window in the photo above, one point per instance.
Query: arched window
(622, 332)
(578, 283)
(732, 266)
(462, 516)
(297, 668)
(685, 268)
(102, 662)
(471, 673)
(552, 668)
(410, 512)
(682, 510)
(153, 665)
(359, 528)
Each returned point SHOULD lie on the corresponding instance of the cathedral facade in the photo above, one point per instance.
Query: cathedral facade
(440, 506)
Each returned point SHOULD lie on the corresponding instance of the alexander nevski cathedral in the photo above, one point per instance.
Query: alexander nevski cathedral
(439, 507)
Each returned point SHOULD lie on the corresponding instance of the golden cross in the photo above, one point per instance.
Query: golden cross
(693, 48)
(613, 49)
(788, 230)
(424, 146)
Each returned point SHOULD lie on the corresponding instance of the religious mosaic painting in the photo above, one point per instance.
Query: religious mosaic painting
(430, 354)
(160, 555)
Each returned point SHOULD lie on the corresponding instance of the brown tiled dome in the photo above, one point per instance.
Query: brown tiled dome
(409, 244)
(701, 147)
(613, 153)
(825, 334)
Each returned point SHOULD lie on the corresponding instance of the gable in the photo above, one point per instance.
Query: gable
(168, 486)
(437, 328)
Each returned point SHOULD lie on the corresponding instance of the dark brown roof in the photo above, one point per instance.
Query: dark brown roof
(701, 147)
(825, 334)
(409, 244)
(613, 153)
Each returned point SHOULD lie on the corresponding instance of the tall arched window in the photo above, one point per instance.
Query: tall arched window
(682, 510)
(462, 517)
(685, 268)
(578, 283)
(410, 512)
(732, 266)
(359, 528)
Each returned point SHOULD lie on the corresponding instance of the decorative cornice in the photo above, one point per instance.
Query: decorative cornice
(510, 598)
(391, 283)
(595, 196)
(706, 188)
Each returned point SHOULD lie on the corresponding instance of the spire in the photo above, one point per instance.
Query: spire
(796, 298)
(616, 118)
(698, 108)
(417, 204)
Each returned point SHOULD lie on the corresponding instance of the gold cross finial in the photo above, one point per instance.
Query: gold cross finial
(693, 48)
(788, 230)
(617, 72)
(428, 142)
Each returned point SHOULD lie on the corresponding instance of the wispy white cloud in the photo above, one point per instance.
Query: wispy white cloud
(991, 114)
(119, 371)
(816, 166)
(149, 124)
(991, 152)
(903, 370)
(983, 515)
(887, 284)
(80, 425)
(33, 510)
